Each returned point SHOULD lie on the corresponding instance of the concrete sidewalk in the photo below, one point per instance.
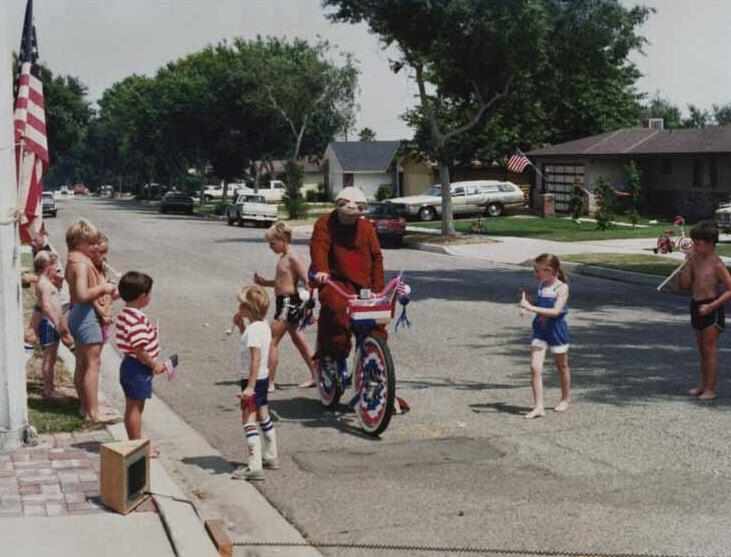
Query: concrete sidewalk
(50, 503)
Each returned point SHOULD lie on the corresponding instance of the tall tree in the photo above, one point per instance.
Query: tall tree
(697, 117)
(658, 107)
(465, 56)
(722, 114)
(366, 134)
(311, 94)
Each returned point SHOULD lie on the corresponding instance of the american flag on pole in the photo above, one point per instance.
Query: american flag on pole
(31, 144)
(517, 163)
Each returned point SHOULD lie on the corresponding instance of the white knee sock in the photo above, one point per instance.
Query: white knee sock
(270, 440)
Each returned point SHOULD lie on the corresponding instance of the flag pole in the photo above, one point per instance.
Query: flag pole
(13, 394)
(530, 163)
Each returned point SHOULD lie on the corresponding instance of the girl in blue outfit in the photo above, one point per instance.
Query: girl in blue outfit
(550, 330)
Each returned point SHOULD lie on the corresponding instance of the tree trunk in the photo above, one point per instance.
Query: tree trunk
(447, 217)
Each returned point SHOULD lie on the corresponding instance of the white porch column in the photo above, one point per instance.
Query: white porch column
(13, 396)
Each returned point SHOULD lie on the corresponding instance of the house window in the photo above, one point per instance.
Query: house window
(667, 166)
(713, 171)
(348, 180)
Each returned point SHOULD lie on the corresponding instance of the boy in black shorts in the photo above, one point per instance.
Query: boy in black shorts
(705, 275)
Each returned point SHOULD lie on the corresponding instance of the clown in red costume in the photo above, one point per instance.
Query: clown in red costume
(345, 249)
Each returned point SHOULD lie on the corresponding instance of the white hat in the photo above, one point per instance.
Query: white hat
(352, 194)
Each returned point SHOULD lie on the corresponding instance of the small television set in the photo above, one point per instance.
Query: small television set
(125, 474)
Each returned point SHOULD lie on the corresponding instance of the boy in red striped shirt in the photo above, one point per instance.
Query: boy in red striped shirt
(137, 339)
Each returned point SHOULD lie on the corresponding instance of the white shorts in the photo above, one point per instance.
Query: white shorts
(543, 345)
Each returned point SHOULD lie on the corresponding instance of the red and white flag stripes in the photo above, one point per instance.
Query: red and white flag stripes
(31, 146)
(518, 163)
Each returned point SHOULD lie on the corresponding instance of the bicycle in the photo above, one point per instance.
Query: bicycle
(373, 368)
(667, 244)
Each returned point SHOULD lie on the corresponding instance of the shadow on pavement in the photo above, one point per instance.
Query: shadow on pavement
(212, 464)
(499, 407)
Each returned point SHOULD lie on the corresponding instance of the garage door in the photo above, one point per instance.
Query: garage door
(560, 179)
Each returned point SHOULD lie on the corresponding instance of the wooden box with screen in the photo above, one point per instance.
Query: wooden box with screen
(125, 474)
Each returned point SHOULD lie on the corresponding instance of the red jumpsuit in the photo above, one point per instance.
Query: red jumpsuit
(351, 255)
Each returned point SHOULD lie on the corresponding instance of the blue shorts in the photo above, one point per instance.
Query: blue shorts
(261, 392)
(47, 333)
(84, 325)
(135, 378)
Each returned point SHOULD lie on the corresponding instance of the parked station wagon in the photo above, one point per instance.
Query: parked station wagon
(489, 197)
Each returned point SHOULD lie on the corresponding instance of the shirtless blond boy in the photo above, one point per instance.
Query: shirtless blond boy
(289, 306)
(51, 327)
(705, 275)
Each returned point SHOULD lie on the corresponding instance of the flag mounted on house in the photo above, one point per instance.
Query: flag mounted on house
(517, 163)
(31, 143)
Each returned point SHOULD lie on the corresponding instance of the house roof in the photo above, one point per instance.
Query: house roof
(365, 156)
(644, 141)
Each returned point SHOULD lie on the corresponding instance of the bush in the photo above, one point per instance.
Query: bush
(312, 196)
(220, 208)
(385, 191)
(576, 203)
(606, 198)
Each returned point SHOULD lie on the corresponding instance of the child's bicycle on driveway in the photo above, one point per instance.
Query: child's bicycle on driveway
(372, 363)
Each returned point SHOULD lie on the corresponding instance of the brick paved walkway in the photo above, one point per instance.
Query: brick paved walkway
(60, 476)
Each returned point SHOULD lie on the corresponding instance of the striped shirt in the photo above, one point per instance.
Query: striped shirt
(134, 330)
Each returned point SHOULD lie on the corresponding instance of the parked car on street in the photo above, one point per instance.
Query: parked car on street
(64, 191)
(722, 216)
(489, 197)
(251, 208)
(81, 189)
(273, 191)
(389, 224)
(175, 201)
(215, 192)
(48, 204)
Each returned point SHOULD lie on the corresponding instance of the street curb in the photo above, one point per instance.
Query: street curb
(182, 448)
(185, 530)
(629, 277)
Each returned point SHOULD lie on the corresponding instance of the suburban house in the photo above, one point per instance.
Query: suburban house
(372, 164)
(313, 171)
(683, 171)
(367, 165)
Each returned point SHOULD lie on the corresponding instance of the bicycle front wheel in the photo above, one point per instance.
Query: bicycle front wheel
(375, 384)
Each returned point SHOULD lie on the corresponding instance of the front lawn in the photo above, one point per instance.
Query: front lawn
(557, 229)
(637, 263)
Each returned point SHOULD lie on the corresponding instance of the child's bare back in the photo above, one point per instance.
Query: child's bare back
(285, 279)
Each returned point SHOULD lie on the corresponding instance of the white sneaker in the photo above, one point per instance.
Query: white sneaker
(243, 472)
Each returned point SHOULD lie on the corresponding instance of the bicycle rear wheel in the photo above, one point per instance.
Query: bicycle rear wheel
(328, 382)
(375, 384)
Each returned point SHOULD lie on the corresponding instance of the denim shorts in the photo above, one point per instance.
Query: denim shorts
(84, 325)
(47, 333)
(135, 378)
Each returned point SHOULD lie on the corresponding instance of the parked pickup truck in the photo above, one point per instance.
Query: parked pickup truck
(251, 208)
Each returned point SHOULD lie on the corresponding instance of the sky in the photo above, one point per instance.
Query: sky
(103, 41)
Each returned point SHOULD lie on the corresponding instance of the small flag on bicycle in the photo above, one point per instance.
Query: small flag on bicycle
(517, 163)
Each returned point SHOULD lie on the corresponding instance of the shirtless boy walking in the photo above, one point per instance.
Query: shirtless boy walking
(705, 275)
(289, 306)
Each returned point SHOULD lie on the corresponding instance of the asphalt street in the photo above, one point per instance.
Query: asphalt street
(634, 466)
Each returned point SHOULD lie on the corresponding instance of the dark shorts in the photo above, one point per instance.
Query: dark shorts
(47, 333)
(289, 308)
(699, 322)
(261, 392)
(135, 378)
